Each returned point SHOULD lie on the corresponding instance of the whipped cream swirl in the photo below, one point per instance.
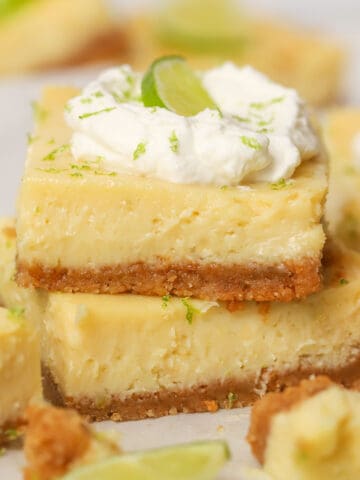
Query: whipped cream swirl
(260, 133)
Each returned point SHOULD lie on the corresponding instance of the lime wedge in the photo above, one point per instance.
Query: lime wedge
(171, 83)
(194, 461)
(206, 26)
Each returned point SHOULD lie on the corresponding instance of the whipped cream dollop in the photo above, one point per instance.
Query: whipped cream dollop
(260, 133)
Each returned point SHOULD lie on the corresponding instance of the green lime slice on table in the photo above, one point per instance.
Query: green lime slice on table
(171, 83)
(194, 461)
(203, 26)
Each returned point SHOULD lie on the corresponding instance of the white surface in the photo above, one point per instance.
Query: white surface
(340, 17)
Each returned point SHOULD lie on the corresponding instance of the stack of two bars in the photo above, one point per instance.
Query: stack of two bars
(173, 296)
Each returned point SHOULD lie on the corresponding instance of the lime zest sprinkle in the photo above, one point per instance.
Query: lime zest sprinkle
(74, 166)
(108, 174)
(51, 141)
(280, 184)
(76, 174)
(52, 155)
(98, 112)
(117, 97)
(343, 281)
(268, 103)
(15, 313)
(232, 397)
(174, 142)
(39, 112)
(165, 301)
(265, 130)
(86, 100)
(251, 142)
(51, 170)
(242, 119)
(139, 150)
(31, 138)
(68, 107)
(190, 310)
(12, 434)
(265, 123)
(98, 94)
(224, 187)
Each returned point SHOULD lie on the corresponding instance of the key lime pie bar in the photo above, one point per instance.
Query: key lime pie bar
(129, 357)
(208, 185)
(20, 380)
(36, 34)
(343, 140)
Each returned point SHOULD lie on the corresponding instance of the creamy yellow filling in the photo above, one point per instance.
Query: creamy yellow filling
(82, 215)
(48, 32)
(98, 345)
(11, 295)
(317, 440)
(20, 379)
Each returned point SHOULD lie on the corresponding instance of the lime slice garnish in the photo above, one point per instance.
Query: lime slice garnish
(215, 26)
(172, 84)
(194, 461)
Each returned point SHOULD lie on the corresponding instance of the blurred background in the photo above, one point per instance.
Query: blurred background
(313, 46)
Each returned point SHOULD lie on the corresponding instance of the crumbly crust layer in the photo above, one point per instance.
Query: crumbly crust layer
(202, 398)
(283, 282)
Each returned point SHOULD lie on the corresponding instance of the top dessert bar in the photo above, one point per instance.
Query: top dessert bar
(90, 221)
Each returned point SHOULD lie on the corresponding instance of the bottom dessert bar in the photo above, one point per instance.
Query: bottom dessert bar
(20, 379)
(130, 357)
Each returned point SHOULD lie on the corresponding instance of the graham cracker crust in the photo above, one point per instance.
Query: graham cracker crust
(203, 398)
(283, 282)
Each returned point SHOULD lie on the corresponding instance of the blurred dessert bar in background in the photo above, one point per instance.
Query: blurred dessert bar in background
(342, 134)
(43, 34)
(208, 32)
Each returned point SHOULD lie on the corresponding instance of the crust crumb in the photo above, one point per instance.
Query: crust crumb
(55, 439)
(273, 403)
(211, 405)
